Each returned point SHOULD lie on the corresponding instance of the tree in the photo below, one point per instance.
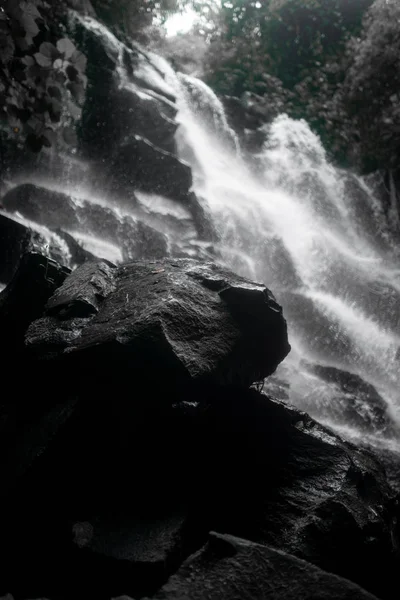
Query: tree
(370, 97)
(130, 18)
(285, 38)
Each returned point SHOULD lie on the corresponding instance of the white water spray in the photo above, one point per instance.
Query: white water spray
(312, 233)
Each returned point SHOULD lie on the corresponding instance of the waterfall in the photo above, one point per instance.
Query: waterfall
(312, 233)
(316, 235)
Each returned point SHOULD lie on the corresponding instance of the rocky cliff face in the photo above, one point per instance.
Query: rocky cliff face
(101, 193)
(136, 430)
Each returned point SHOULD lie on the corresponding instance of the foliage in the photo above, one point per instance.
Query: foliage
(131, 18)
(42, 80)
(285, 38)
(370, 96)
(293, 53)
(185, 52)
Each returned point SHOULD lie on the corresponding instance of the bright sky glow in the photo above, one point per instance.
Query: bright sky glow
(180, 22)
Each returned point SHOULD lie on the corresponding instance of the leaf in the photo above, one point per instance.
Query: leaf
(69, 136)
(60, 77)
(49, 137)
(55, 110)
(74, 111)
(34, 72)
(22, 43)
(79, 60)
(43, 61)
(40, 105)
(30, 27)
(7, 48)
(66, 47)
(20, 75)
(15, 123)
(58, 64)
(72, 73)
(28, 60)
(35, 124)
(30, 9)
(77, 91)
(24, 115)
(54, 92)
(34, 143)
(49, 50)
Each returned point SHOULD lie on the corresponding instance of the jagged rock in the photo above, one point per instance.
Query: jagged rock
(356, 403)
(69, 217)
(143, 166)
(24, 298)
(125, 113)
(140, 241)
(279, 478)
(123, 477)
(233, 568)
(188, 321)
(82, 294)
(121, 102)
(27, 398)
(79, 255)
(132, 486)
(202, 217)
(17, 238)
(43, 206)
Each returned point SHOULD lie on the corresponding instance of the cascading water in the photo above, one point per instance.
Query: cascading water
(314, 234)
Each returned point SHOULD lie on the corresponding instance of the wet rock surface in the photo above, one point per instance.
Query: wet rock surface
(143, 438)
(229, 567)
(192, 321)
(141, 164)
(86, 224)
(357, 403)
(18, 237)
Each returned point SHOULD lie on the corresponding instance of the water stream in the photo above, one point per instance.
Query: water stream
(314, 234)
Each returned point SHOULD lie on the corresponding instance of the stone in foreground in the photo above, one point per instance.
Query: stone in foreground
(178, 320)
(229, 568)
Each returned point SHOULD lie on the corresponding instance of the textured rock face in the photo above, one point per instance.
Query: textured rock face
(18, 237)
(35, 280)
(129, 117)
(150, 169)
(126, 145)
(71, 217)
(143, 439)
(233, 568)
(356, 403)
(181, 319)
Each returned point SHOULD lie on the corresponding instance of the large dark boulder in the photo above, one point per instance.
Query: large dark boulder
(279, 478)
(131, 487)
(230, 568)
(143, 439)
(123, 98)
(18, 237)
(164, 322)
(28, 393)
(71, 218)
(141, 165)
(23, 300)
(180, 319)
(43, 206)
